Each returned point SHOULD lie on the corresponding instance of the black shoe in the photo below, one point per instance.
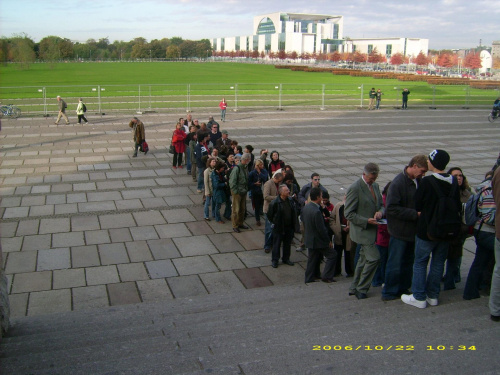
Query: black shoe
(352, 293)
(390, 298)
(495, 318)
(325, 280)
(242, 227)
(288, 262)
(135, 155)
(227, 218)
(310, 281)
(360, 295)
(349, 275)
(267, 251)
(236, 230)
(274, 264)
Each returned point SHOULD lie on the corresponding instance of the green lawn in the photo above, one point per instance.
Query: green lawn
(163, 85)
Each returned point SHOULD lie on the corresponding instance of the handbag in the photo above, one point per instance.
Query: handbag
(171, 149)
(144, 147)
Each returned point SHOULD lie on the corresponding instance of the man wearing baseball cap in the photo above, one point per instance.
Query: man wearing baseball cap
(425, 287)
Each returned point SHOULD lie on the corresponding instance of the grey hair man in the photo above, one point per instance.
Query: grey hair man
(363, 207)
(62, 110)
(238, 183)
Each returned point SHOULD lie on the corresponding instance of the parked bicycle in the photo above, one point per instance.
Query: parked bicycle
(10, 111)
(493, 116)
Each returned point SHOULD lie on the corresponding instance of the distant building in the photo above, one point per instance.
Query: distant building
(312, 33)
(495, 49)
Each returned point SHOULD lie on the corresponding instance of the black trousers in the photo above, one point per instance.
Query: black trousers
(80, 117)
(178, 159)
(286, 239)
(313, 263)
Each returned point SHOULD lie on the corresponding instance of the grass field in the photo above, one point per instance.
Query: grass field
(164, 85)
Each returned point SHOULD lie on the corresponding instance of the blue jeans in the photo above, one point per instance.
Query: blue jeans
(428, 285)
(201, 180)
(209, 201)
(399, 267)
(379, 277)
(268, 234)
(485, 243)
(227, 209)
(223, 115)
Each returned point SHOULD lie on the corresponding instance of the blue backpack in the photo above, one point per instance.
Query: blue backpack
(471, 213)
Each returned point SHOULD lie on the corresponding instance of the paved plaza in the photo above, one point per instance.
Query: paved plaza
(84, 225)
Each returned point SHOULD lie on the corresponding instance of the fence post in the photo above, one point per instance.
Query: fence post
(279, 107)
(99, 98)
(188, 98)
(362, 88)
(467, 96)
(323, 98)
(434, 96)
(44, 89)
(139, 110)
(150, 97)
(236, 97)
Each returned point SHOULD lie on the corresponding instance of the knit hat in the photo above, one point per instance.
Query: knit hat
(224, 132)
(439, 159)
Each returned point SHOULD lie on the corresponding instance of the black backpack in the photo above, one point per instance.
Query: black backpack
(84, 107)
(446, 220)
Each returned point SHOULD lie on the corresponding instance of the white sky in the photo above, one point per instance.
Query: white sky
(446, 23)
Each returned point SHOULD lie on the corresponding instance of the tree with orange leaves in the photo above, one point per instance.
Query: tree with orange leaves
(472, 61)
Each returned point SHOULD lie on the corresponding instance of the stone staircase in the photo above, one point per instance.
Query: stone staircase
(259, 331)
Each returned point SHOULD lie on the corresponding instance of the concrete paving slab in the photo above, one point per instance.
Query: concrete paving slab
(178, 201)
(250, 240)
(49, 302)
(195, 245)
(144, 233)
(225, 243)
(120, 235)
(97, 237)
(221, 282)
(129, 204)
(96, 206)
(199, 228)
(138, 251)
(124, 220)
(113, 253)
(158, 269)
(101, 275)
(10, 229)
(252, 278)
(284, 274)
(154, 290)
(32, 282)
(132, 272)
(68, 239)
(186, 286)
(19, 262)
(178, 215)
(194, 265)
(123, 294)
(172, 230)
(85, 256)
(255, 258)
(90, 297)
(228, 261)
(68, 278)
(58, 225)
(12, 244)
(64, 209)
(45, 210)
(163, 249)
(18, 305)
(151, 217)
(53, 259)
(15, 212)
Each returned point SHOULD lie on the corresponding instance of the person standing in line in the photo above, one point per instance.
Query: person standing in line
(178, 138)
(372, 94)
(495, 280)
(80, 111)
(363, 207)
(378, 98)
(426, 281)
(270, 194)
(405, 94)
(218, 180)
(223, 107)
(62, 110)
(256, 179)
(209, 201)
(139, 133)
(238, 182)
(317, 240)
(285, 223)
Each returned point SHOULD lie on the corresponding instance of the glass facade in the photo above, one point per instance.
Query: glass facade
(237, 43)
(370, 48)
(268, 42)
(388, 50)
(281, 41)
(255, 42)
(266, 26)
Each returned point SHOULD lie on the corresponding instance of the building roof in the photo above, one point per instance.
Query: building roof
(310, 17)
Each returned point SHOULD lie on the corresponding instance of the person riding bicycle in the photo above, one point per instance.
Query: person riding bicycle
(496, 107)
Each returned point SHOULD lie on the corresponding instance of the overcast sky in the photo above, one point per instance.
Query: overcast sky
(446, 23)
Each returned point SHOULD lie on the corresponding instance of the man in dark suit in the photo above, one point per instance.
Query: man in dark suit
(223, 141)
(317, 241)
(363, 207)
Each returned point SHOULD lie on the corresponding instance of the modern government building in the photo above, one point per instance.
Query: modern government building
(313, 33)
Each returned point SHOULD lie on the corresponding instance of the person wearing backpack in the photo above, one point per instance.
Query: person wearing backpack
(484, 233)
(80, 111)
(437, 201)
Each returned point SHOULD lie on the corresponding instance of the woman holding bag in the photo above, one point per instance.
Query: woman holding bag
(179, 145)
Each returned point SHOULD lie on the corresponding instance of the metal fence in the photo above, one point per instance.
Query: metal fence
(175, 98)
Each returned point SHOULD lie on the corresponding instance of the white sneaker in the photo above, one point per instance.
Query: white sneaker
(410, 300)
(432, 301)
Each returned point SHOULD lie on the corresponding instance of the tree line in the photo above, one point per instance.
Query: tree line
(22, 49)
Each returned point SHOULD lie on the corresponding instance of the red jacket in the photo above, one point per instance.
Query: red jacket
(178, 140)
(222, 105)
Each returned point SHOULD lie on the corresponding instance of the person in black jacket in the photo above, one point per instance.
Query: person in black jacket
(426, 287)
(402, 226)
(285, 222)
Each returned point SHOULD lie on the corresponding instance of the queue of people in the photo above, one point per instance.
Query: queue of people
(387, 238)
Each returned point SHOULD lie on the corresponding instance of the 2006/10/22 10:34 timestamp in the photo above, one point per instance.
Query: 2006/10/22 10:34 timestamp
(391, 347)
